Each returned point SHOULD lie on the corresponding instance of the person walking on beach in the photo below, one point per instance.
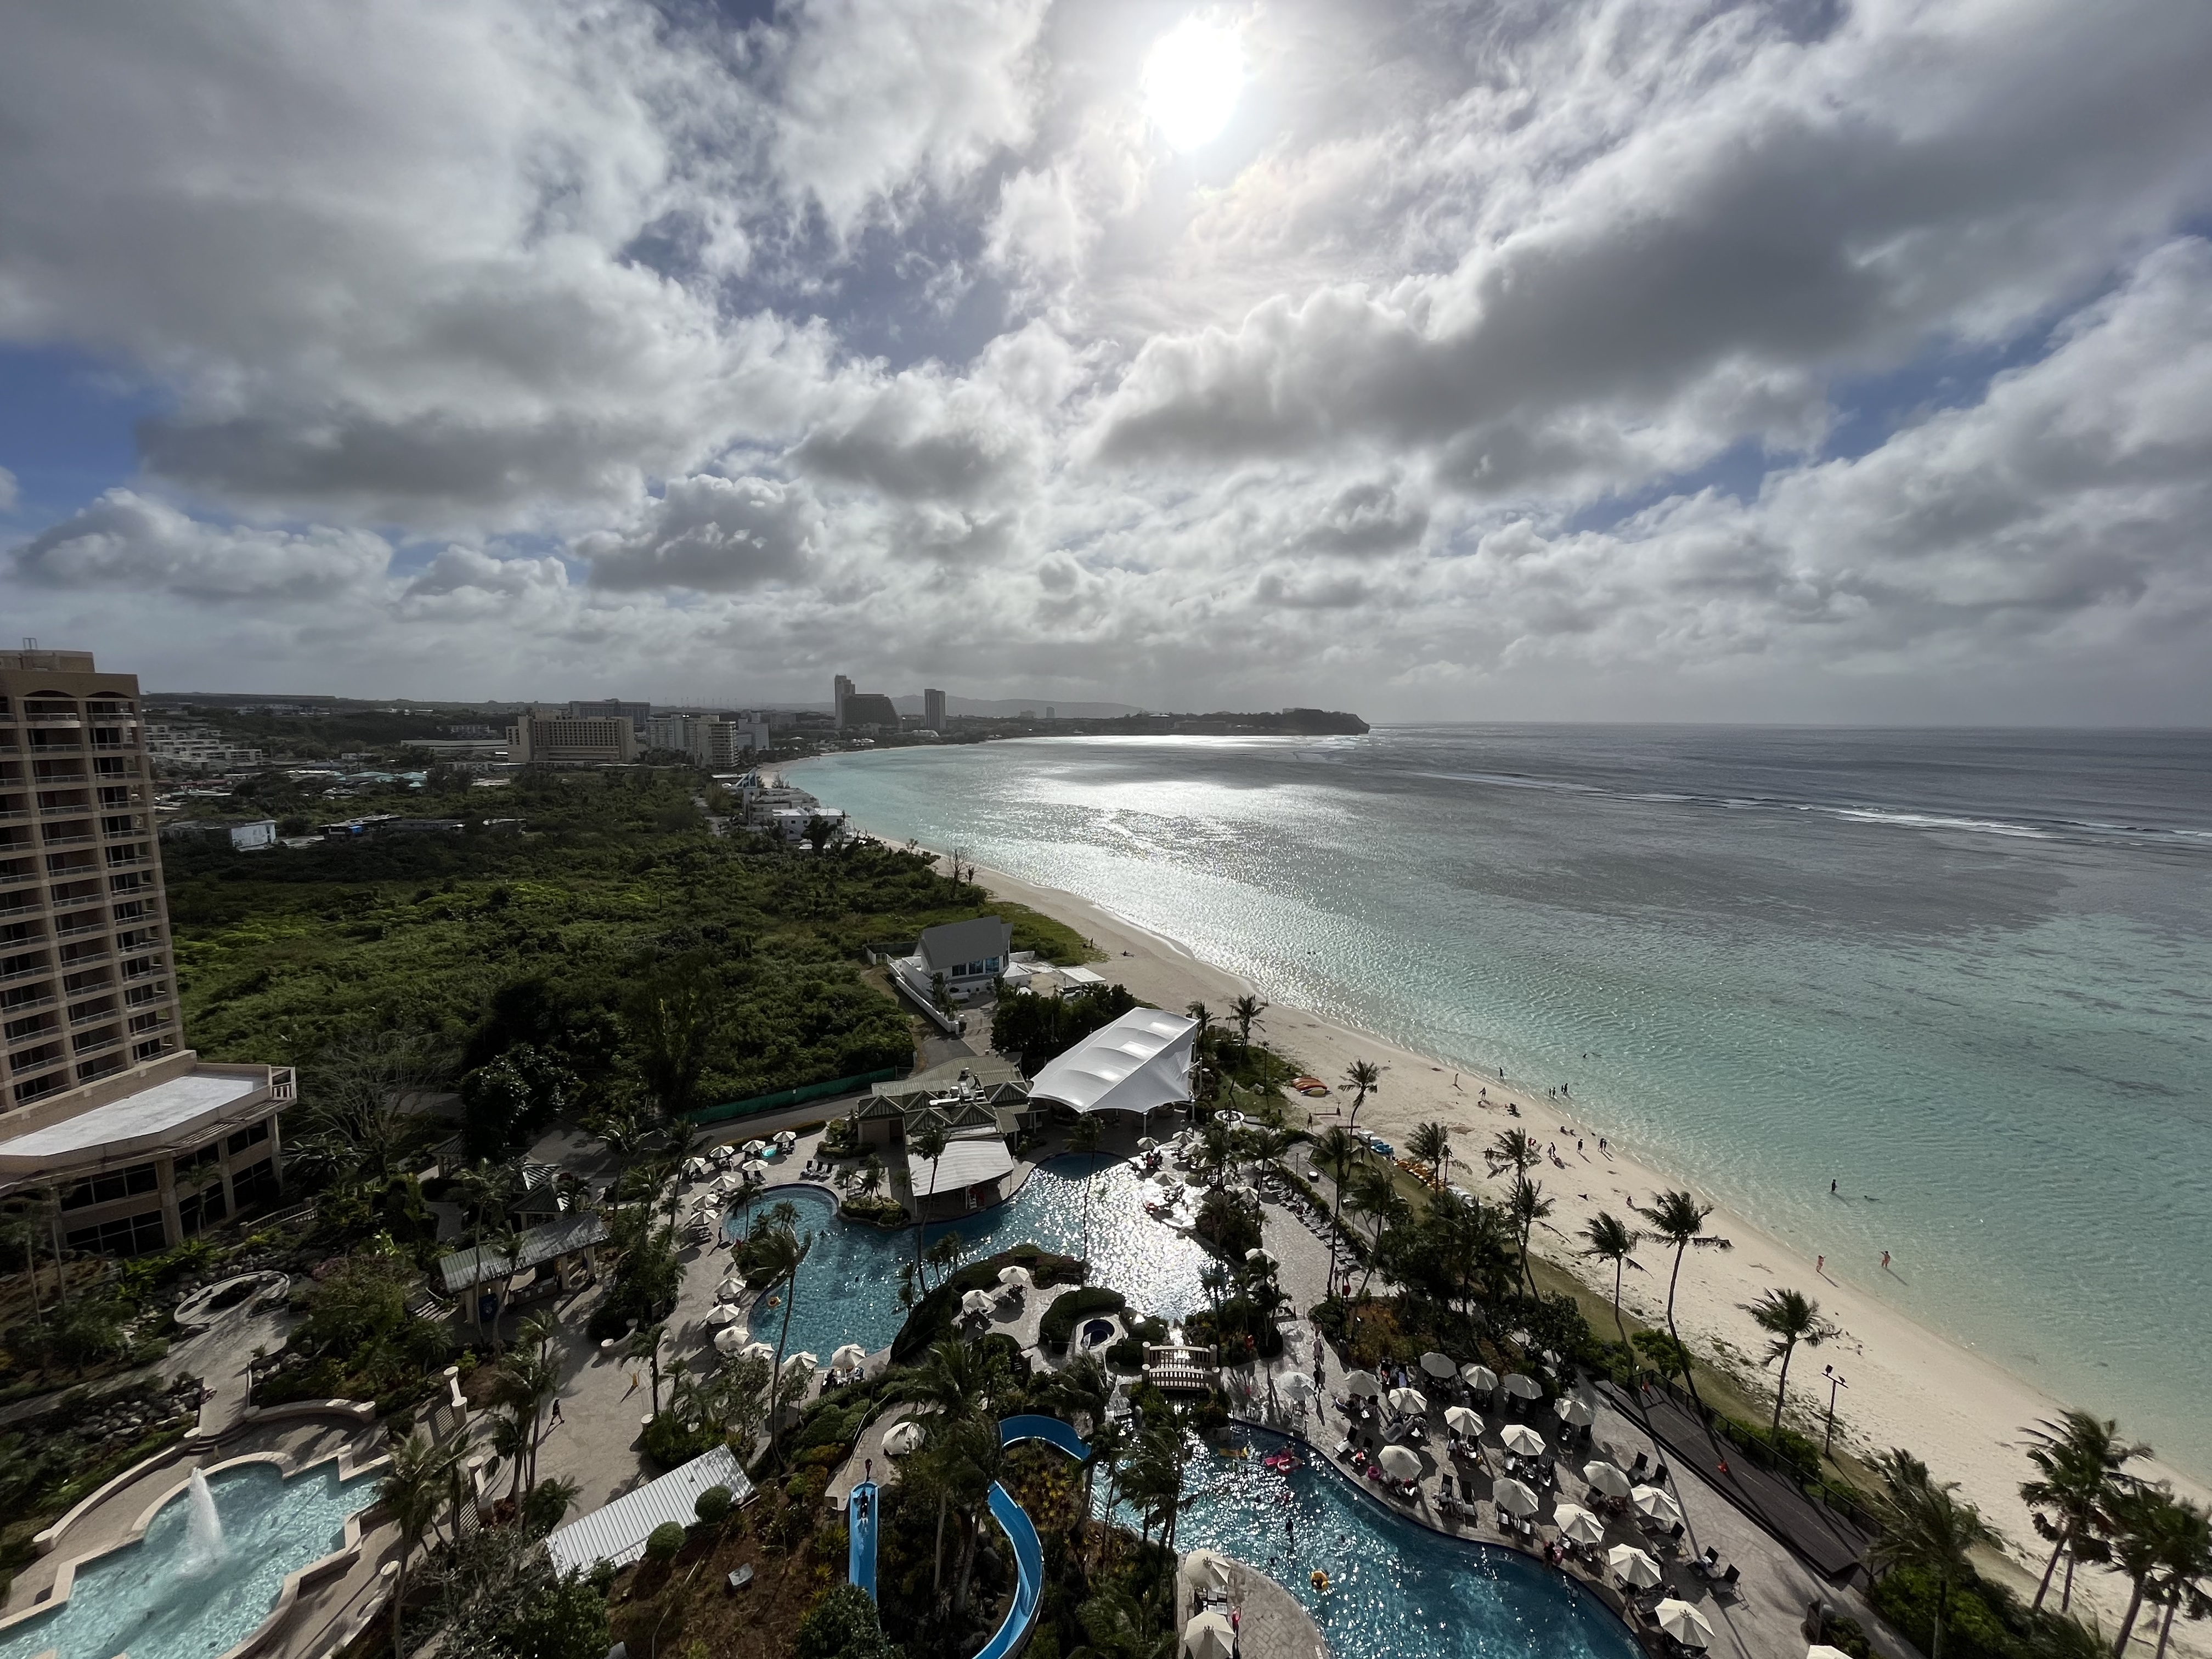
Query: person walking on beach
(557, 1418)
(1885, 1261)
(1820, 1266)
(1833, 1193)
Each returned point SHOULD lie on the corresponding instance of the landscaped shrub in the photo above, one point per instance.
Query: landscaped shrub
(843, 1624)
(672, 1443)
(662, 1543)
(712, 1506)
(937, 1315)
(1057, 1329)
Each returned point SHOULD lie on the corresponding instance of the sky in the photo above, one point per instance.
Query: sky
(1794, 361)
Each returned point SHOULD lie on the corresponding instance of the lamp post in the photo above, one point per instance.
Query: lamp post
(1835, 1382)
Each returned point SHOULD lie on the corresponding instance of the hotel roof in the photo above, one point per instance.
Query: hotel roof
(138, 1122)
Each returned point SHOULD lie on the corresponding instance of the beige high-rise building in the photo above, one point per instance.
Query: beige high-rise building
(140, 1143)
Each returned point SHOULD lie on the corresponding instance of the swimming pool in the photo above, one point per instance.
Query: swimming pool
(848, 1288)
(1396, 1589)
(146, 1598)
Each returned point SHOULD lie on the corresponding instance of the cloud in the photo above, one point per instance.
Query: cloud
(1551, 360)
(125, 540)
(8, 491)
(711, 534)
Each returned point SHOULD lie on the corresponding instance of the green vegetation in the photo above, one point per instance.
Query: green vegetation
(1057, 1329)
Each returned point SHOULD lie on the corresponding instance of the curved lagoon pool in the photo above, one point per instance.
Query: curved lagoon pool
(848, 1288)
(142, 1599)
(1396, 1590)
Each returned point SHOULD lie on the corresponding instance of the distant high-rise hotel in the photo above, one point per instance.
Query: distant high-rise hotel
(841, 688)
(932, 710)
(141, 1143)
(858, 709)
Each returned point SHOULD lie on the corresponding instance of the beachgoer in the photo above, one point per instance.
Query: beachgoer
(1820, 1262)
(1885, 1260)
(556, 1411)
(633, 1386)
(1833, 1193)
(868, 1468)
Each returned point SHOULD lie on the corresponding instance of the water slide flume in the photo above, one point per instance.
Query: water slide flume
(1012, 1519)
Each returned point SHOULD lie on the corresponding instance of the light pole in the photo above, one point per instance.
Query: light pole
(1835, 1382)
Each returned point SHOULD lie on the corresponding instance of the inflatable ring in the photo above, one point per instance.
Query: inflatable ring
(1319, 1580)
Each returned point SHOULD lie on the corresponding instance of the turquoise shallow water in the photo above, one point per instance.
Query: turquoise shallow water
(1967, 974)
(142, 1599)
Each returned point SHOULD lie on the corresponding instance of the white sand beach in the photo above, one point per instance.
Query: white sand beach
(1908, 1386)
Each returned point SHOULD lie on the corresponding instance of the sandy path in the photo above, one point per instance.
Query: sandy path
(1907, 1385)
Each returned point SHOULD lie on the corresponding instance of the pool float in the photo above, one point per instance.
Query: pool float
(1319, 1580)
(1232, 1451)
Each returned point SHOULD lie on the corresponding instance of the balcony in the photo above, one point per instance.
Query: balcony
(60, 835)
(77, 955)
(11, 1009)
(75, 928)
(53, 720)
(62, 809)
(139, 966)
(78, 1022)
(10, 975)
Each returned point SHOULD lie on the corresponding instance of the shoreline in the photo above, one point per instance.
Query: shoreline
(1909, 1385)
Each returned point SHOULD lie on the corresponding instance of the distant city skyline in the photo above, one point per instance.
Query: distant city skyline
(1784, 363)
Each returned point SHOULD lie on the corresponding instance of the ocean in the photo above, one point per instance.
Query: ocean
(1966, 975)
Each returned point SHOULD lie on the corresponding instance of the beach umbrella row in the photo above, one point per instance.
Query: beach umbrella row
(1577, 1522)
(1632, 1566)
(1684, 1623)
(1480, 1378)
(1513, 1498)
(1521, 1441)
(1656, 1506)
(1606, 1478)
(1464, 1418)
(1412, 1402)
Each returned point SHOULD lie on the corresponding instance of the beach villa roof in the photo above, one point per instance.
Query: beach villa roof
(964, 949)
(1141, 1061)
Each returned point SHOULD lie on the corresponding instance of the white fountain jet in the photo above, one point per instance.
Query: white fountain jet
(203, 1544)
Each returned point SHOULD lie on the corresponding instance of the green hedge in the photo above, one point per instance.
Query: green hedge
(1058, 1327)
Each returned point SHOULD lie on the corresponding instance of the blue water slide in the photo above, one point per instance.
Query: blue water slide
(860, 1507)
(1050, 1430)
(1013, 1630)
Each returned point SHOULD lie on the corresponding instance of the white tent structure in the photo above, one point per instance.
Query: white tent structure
(1138, 1064)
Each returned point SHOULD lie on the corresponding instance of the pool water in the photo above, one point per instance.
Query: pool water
(140, 1599)
(1396, 1589)
(848, 1288)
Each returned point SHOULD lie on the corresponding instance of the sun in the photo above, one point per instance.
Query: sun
(1192, 79)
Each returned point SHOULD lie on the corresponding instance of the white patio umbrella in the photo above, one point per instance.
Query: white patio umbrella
(850, 1357)
(1412, 1402)
(1573, 1411)
(1209, 1636)
(1513, 1498)
(1684, 1623)
(1467, 1421)
(1651, 1502)
(1528, 1387)
(752, 1166)
(1632, 1566)
(1016, 1277)
(1480, 1378)
(901, 1439)
(1519, 1339)
(694, 1168)
(731, 1289)
(1362, 1383)
(1146, 1144)
(1438, 1365)
(728, 1341)
(803, 1363)
(755, 1148)
(1606, 1478)
(1521, 1441)
(757, 1350)
(1577, 1522)
(723, 1314)
(787, 1137)
(1297, 1385)
(1207, 1571)
(976, 1302)
(1261, 1258)
(1401, 1462)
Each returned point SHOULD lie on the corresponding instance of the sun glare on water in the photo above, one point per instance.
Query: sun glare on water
(1192, 80)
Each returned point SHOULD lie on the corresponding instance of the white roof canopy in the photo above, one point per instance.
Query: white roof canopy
(969, 1160)
(1142, 1061)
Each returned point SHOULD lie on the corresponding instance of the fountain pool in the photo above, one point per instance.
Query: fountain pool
(848, 1288)
(202, 1580)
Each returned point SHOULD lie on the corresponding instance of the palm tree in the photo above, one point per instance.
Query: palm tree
(928, 1141)
(1676, 1217)
(412, 1491)
(782, 1252)
(1375, 1194)
(1082, 1137)
(1790, 1317)
(645, 1344)
(1514, 1147)
(672, 1034)
(1528, 1206)
(1246, 1012)
(1117, 1626)
(1431, 1144)
(1366, 1077)
(2184, 1564)
(1924, 1526)
(2142, 1519)
(23, 1226)
(1337, 1152)
(2078, 1461)
(1612, 1239)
